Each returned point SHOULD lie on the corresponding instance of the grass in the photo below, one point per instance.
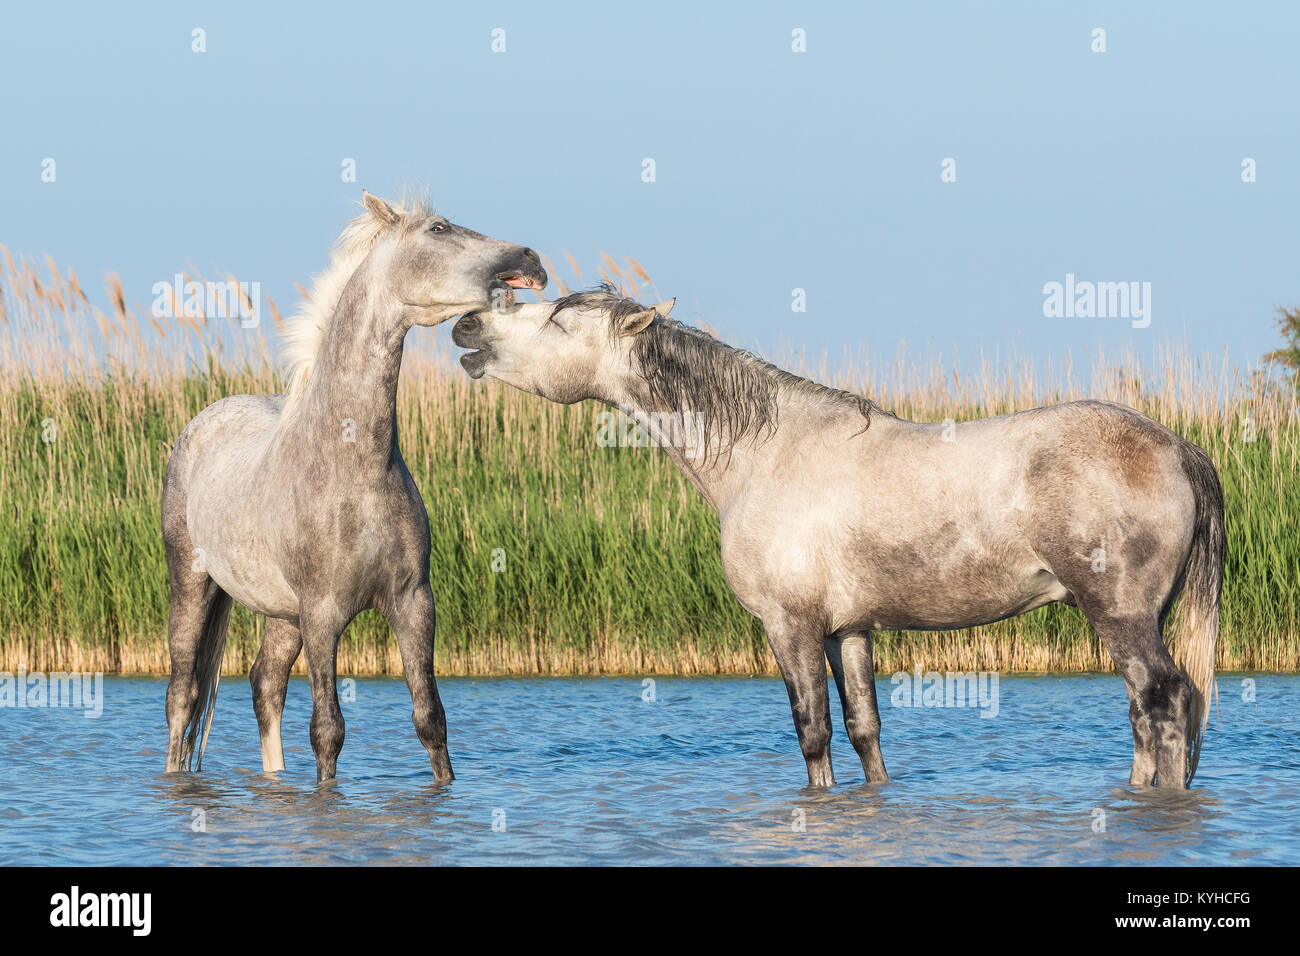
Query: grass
(610, 560)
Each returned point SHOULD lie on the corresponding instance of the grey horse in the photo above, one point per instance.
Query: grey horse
(300, 507)
(839, 519)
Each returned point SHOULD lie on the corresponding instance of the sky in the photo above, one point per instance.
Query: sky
(774, 170)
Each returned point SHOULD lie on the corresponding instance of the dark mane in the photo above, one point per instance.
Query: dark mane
(732, 390)
(604, 297)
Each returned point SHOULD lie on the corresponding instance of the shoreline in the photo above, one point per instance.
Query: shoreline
(893, 654)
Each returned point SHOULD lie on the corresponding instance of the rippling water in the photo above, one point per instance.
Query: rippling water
(586, 771)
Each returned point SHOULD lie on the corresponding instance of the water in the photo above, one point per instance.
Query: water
(586, 771)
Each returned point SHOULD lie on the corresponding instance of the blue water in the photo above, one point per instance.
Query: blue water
(586, 771)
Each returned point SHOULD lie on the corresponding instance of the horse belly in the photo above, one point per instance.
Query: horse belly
(239, 560)
(222, 479)
(965, 598)
(267, 594)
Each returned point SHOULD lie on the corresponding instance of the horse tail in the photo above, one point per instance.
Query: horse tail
(1198, 619)
(207, 675)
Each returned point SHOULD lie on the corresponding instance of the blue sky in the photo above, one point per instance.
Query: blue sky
(775, 170)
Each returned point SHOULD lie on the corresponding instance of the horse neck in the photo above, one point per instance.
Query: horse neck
(716, 472)
(727, 465)
(352, 392)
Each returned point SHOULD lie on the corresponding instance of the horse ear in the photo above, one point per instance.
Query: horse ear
(379, 208)
(637, 322)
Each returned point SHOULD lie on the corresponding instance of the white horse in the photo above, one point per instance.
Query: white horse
(300, 507)
(839, 519)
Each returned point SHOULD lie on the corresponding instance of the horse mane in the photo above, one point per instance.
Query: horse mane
(685, 368)
(305, 331)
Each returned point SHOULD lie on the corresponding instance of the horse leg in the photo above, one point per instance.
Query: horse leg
(320, 630)
(270, 680)
(199, 608)
(413, 620)
(199, 611)
(855, 677)
(1160, 699)
(800, 654)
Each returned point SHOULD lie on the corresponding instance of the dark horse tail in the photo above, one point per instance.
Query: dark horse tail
(207, 675)
(1198, 620)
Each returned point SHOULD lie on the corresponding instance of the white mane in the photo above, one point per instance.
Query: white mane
(305, 331)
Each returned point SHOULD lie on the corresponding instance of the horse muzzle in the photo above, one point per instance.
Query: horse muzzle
(468, 334)
(522, 270)
(475, 363)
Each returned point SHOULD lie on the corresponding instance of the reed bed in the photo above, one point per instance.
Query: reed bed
(551, 553)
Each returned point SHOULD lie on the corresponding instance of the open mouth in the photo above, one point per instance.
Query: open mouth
(517, 280)
(467, 333)
(475, 363)
(502, 291)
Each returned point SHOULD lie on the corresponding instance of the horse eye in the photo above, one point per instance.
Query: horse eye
(438, 227)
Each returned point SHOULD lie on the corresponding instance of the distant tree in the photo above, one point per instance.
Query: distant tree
(1288, 323)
